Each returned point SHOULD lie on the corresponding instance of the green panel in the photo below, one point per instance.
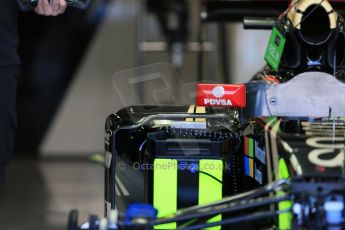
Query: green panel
(283, 170)
(275, 49)
(269, 119)
(285, 218)
(211, 190)
(251, 147)
(165, 189)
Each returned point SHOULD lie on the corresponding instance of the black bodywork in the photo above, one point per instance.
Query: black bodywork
(135, 135)
(274, 139)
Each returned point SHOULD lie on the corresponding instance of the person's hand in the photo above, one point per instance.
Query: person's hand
(51, 7)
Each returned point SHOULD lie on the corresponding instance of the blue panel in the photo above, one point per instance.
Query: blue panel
(246, 166)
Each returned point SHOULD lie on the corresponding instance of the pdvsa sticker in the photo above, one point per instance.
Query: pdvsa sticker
(221, 95)
(218, 102)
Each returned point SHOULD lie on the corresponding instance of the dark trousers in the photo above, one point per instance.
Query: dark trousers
(8, 120)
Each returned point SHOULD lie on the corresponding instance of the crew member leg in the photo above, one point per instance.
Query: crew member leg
(8, 121)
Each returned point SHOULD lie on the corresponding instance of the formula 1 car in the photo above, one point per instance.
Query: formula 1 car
(268, 154)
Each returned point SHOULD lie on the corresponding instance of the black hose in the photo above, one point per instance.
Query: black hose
(246, 218)
(231, 207)
(243, 196)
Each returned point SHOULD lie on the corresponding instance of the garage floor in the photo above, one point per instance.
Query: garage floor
(40, 193)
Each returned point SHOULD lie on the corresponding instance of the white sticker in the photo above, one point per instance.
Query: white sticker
(107, 159)
(107, 208)
(260, 154)
(258, 175)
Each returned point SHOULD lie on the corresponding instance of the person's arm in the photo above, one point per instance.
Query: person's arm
(51, 7)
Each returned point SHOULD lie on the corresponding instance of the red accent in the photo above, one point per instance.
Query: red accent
(246, 146)
(234, 96)
(320, 169)
(271, 78)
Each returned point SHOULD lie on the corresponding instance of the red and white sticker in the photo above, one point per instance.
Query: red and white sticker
(221, 95)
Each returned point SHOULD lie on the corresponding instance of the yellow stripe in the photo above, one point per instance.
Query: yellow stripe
(165, 189)
(200, 110)
(285, 218)
(191, 110)
(251, 164)
(211, 190)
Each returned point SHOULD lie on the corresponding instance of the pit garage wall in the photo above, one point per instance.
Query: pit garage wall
(77, 129)
(247, 50)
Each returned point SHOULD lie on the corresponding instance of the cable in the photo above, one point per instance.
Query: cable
(247, 195)
(221, 209)
(207, 174)
(288, 9)
(142, 146)
(246, 218)
(189, 223)
(141, 150)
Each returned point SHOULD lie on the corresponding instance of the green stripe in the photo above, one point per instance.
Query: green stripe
(285, 218)
(165, 189)
(210, 190)
(269, 119)
(251, 147)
